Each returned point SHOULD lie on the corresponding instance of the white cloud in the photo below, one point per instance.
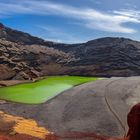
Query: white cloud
(54, 34)
(90, 18)
(129, 13)
(54, 40)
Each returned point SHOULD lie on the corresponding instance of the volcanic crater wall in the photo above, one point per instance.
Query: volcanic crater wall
(23, 56)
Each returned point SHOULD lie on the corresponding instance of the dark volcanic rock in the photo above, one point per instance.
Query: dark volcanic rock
(109, 57)
(20, 37)
(23, 56)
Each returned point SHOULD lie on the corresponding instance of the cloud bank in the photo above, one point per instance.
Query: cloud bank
(114, 21)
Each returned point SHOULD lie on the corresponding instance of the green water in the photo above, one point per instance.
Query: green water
(43, 90)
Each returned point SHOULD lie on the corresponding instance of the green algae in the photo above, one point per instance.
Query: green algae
(42, 90)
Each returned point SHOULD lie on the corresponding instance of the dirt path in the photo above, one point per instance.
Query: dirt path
(107, 99)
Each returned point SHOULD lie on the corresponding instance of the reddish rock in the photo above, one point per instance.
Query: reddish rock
(134, 123)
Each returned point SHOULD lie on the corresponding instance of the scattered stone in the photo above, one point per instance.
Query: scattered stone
(2, 101)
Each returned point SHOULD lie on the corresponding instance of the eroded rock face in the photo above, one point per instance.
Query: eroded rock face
(29, 61)
(23, 56)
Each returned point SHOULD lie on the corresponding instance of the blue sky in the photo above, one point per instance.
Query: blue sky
(73, 21)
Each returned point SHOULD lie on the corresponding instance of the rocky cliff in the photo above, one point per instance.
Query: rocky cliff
(23, 56)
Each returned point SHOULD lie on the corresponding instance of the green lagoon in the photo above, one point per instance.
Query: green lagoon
(42, 90)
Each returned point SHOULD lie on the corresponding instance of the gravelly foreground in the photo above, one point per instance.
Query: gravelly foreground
(100, 107)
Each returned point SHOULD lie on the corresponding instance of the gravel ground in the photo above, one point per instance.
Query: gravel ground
(99, 107)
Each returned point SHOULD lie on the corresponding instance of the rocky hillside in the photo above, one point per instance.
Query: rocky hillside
(23, 56)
